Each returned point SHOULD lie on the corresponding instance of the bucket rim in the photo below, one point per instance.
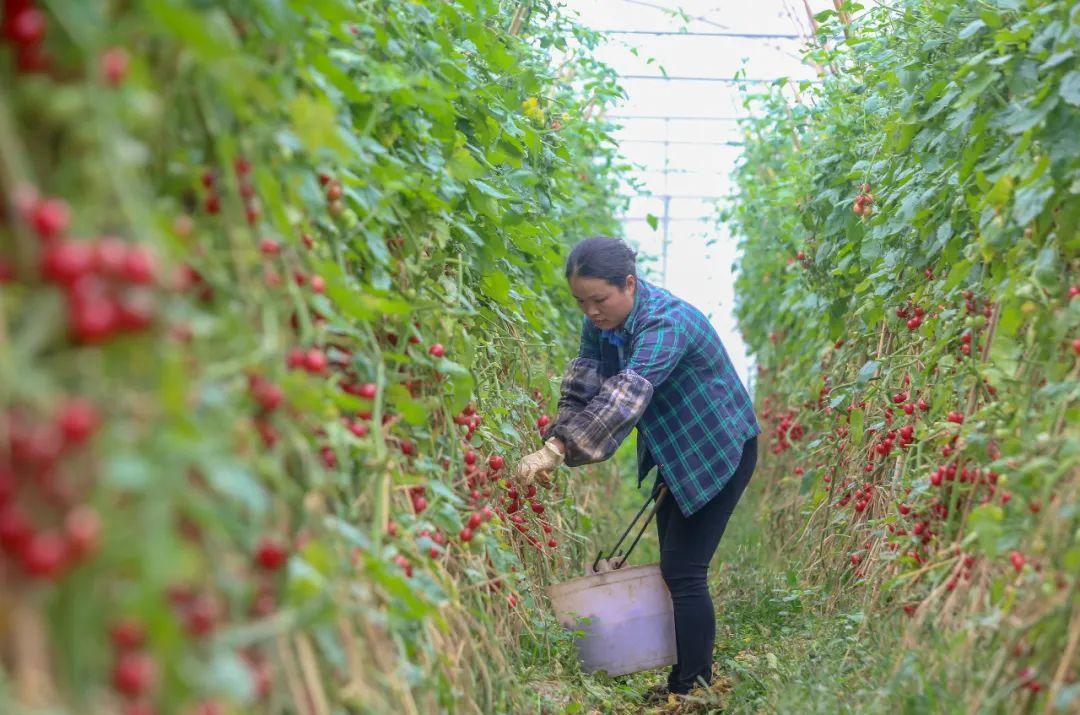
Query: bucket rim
(602, 579)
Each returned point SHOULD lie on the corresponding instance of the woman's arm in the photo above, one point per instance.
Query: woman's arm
(593, 433)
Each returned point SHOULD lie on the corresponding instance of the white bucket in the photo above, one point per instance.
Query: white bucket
(632, 623)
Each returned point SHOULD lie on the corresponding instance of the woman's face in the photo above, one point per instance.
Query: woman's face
(604, 304)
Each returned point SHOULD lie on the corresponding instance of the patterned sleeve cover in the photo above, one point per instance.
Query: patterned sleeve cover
(581, 381)
(594, 431)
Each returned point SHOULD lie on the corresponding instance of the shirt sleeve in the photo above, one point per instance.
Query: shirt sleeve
(593, 433)
(580, 384)
(596, 431)
(581, 381)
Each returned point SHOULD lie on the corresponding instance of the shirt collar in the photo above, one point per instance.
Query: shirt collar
(615, 337)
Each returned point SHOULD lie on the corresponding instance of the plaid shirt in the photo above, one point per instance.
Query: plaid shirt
(671, 378)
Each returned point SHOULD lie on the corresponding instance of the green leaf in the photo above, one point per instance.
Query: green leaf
(384, 305)
(975, 88)
(1029, 202)
(873, 315)
(1069, 90)
(1010, 320)
(837, 322)
(488, 189)
(269, 188)
(413, 411)
(314, 121)
(206, 39)
(305, 584)
(510, 431)
(957, 273)
(497, 286)
(653, 221)
(445, 492)
(227, 673)
(866, 372)
(128, 472)
(1071, 561)
(1022, 116)
(355, 536)
(971, 30)
(1000, 192)
(376, 244)
(463, 166)
(399, 587)
(941, 104)
(232, 480)
(337, 78)
(341, 292)
(1056, 59)
(991, 18)
(985, 522)
(855, 420)
(461, 383)
(483, 203)
(1047, 264)
(941, 237)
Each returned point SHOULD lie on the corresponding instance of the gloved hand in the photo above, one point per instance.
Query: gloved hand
(539, 465)
(604, 565)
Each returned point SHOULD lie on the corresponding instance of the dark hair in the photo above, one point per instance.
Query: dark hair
(602, 257)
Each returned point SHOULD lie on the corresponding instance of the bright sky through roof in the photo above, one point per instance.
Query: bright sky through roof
(690, 160)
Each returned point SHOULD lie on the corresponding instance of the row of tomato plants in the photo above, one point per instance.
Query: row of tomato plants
(909, 286)
(280, 303)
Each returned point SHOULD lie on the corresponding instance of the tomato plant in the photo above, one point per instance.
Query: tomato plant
(908, 285)
(280, 292)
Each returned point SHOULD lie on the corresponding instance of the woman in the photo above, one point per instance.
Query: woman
(651, 360)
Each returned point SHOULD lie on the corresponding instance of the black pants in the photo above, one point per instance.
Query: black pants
(687, 546)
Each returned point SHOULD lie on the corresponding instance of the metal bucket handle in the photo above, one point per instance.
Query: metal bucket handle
(658, 494)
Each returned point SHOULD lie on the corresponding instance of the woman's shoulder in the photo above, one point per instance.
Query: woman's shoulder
(666, 306)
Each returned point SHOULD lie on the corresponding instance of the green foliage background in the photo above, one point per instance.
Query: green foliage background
(468, 161)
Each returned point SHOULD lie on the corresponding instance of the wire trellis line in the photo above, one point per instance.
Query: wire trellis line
(675, 118)
(741, 35)
(679, 141)
(723, 80)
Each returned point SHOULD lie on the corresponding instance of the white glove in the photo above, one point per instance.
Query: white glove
(539, 465)
(605, 565)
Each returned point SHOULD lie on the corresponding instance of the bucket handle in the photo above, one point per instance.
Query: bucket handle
(658, 494)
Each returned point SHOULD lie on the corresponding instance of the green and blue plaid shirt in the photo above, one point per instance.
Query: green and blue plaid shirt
(666, 372)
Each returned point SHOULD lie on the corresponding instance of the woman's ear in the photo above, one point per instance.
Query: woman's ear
(630, 282)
